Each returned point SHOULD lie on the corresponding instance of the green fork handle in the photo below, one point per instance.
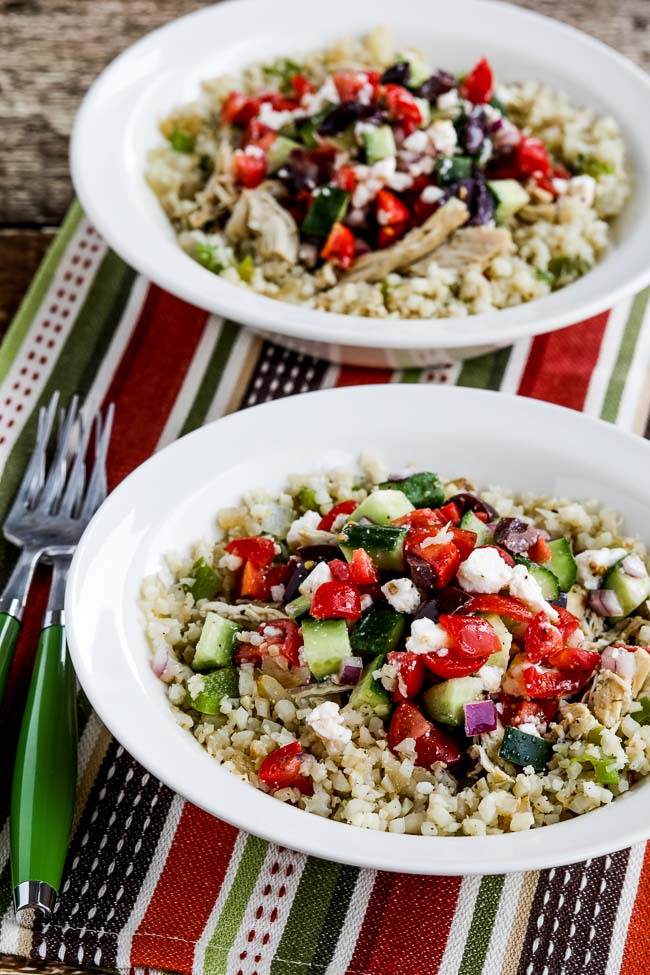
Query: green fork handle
(43, 790)
(9, 631)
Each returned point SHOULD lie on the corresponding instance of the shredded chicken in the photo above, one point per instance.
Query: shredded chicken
(641, 670)
(532, 212)
(257, 212)
(469, 246)
(245, 612)
(610, 695)
(577, 720)
(218, 194)
(418, 243)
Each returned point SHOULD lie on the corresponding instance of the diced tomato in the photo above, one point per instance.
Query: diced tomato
(249, 168)
(532, 157)
(239, 109)
(542, 639)
(256, 549)
(390, 209)
(345, 178)
(472, 635)
(339, 246)
(506, 556)
(302, 86)
(443, 557)
(342, 508)
(402, 107)
(289, 640)
(276, 575)
(350, 83)
(253, 582)
(465, 541)
(422, 518)
(389, 234)
(431, 743)
(539, 551)
(574, 658)
(410, 673)
(452, 665)
(336, 600)
(450, 513)
(478, 86)
(257, 133)
(501, 605)
(517, 711)
(282, 769)
(278, 101)
(340, 570)
(555, 683)
(362, 568)
(567, 624)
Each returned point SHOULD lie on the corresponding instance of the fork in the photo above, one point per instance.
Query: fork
(58, 505)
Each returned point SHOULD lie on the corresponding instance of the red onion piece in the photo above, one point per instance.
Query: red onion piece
(619, 660)
(633, 566)
(349, 671)
(164, 666)
(480, 717)
(604, 602)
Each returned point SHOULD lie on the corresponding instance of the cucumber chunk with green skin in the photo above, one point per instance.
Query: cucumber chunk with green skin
(298, 607)
(216, 644)
(642, 716)
(445, 702)
(326, 645)
(562, 563)
(379, 630)
(370, 694)
(423, 490)
(605, 772)
(280, 151)
(471, 523)
(307, 129)
(383, 543)
(547, 580)
(502, 658)
(206, 582)
(379, 142)
(510, 197)
(383, 506)
(327, 207)
(630, 591)
(216, 686)
(450, 169)
(523, 749)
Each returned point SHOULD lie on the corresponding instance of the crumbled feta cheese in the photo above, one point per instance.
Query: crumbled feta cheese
(383, 217)
(277, 593)
(431, 194)
(339, 522)
(442, 136)
(427, 637)
(327, 721)
(529, 729)
(230, 561)
(268, 116)
(366, 602)
(560, 185)
(440, 538)
(525, 587)
(584, 188)
(326, 93)
(416, 142)
(402, 595)
(271, 631)
(302, 528)
(491, 677)
(384, 168)
(253, 150)
(318, 575)
(449, 100)
(484, 571)
(594, 563)
(195, 685)
(400, 182)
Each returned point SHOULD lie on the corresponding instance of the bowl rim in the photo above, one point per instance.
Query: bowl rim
(260, 814)
(171, 269)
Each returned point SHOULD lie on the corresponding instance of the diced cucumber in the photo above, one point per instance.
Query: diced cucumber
(444, 702)
(216, 643)
(379, 142)
(642, 716)
(450, 169)
(562, 564)
(510, 197)
(419, 70)
(547, 580)
(383, 506)
(216, 686)
(326, 645)
(423, 490)
(298, 607)
(425, 111)
(523, 749)
(383, 543)
(502, 658)
(379, 630)
(206, 582)
(605, 771)
(280, 151)
(631, 592)
(328, 206)
(471, 523)
(370, 694)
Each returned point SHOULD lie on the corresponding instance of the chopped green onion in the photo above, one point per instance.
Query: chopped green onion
(567, 268)
(206, 255)
(306, 499)
(181, 140)
(206, 584)
(246, 268)
(595, 167)
(605, 772)
(283, 69)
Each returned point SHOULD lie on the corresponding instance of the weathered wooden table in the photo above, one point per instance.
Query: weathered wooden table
(50, 51)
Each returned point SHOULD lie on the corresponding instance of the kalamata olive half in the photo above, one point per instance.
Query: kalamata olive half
(445, 602)
(470, 502)
(319, 553)
(516, 535)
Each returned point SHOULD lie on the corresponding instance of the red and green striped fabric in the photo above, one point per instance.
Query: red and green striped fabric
(151, 881)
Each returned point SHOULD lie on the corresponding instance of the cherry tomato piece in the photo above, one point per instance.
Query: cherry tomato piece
(554, 683)
(339, 246)
(389, 234)
(336, 600)
(422, 518)
(402, 107)
(340, 570)
(256, 549)
(342, 508)
(431, 743)
(282, 769)
(288, 640)
(249, 168)
(532, 157)
(542, 639)
(239, 109)
(452, 665)
(302, 86)
(501, 605)
(258, 134)
(465, 541)
(346, 178)
(517, 711)
(574, 658)
(253, 582)
(410, 673)
(478, 86)
(362, 568)
(389, 209)
(443, 557)
(472, 635)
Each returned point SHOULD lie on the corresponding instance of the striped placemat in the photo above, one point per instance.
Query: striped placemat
(152, 882)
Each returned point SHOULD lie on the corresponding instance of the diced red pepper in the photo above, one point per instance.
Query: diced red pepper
(346, 178)
(257, 133)
(443, 557)
(253, 582)
(542, 639)
(256, 549)
(276, 575)
(501, 605)
(339, 246)
(532, 157)
(402, 107)
(302, 86)
(431, 743)
(342, 508)
(389, 234)
(239, 109)
(453, 665)
(478, 86)
(282, 769)
(518, 711)
(410, 673)
(336, 600)
(340, 570)
(567, 623)
(450, 513)
(390, 209)
(278, 101)
(362, 568)
(422, 518)
(482, 516)
(465, 541)
(539, 551)
(555, 683)
(248, 168)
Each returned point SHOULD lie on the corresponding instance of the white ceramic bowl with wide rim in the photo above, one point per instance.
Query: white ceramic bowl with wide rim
(172, 499)
(117, 124)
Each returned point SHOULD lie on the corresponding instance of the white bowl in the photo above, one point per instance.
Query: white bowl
(171, 500)
(117, 124)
